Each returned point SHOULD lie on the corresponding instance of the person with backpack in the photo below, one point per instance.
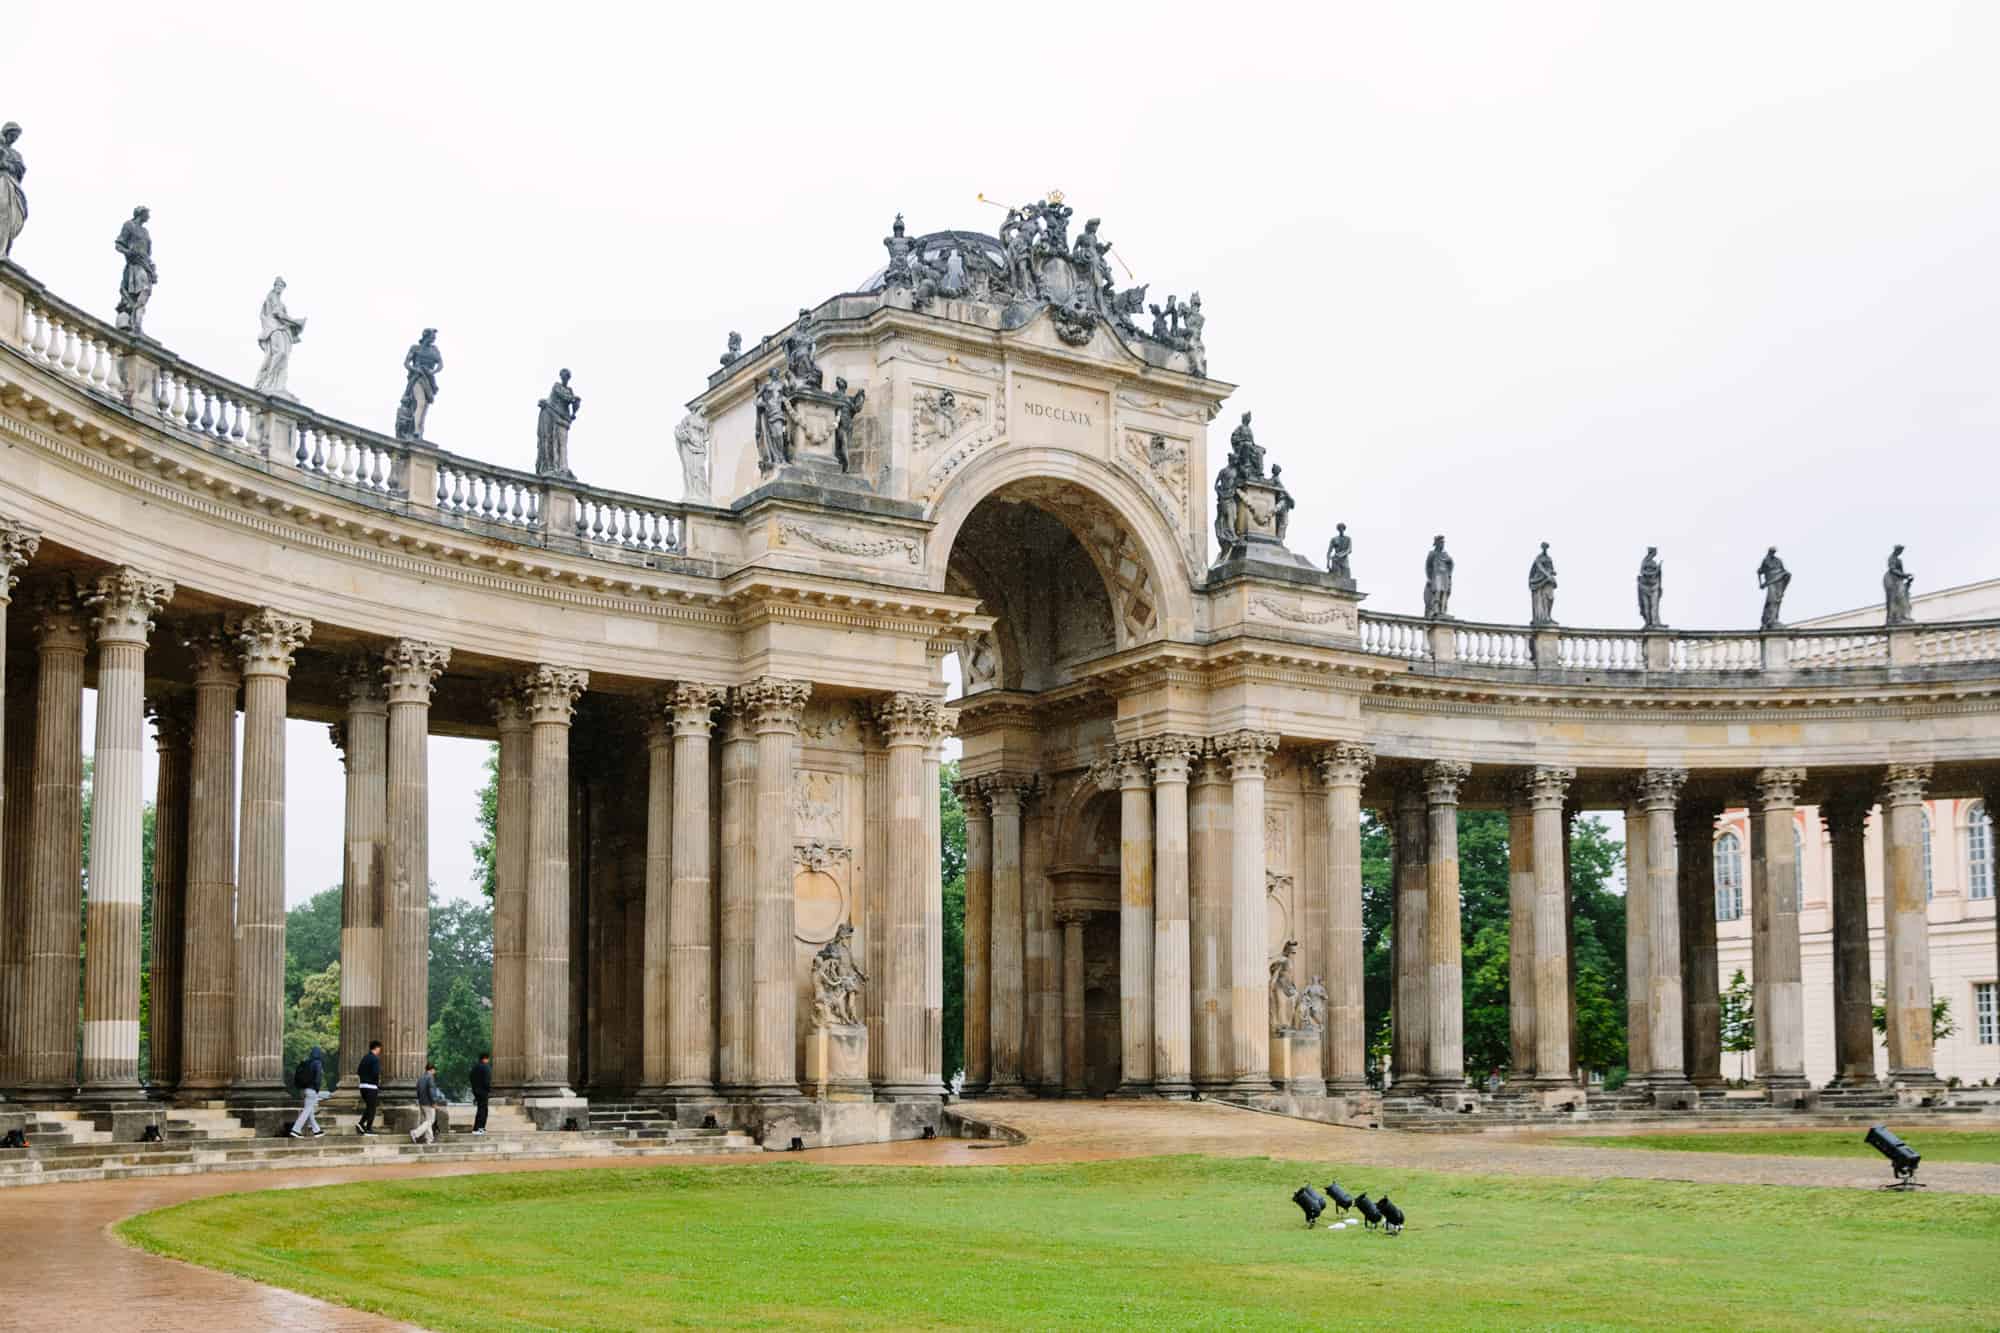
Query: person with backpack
(428, 1098)
(481, 1079)
(306, 1078)
(369, 1075)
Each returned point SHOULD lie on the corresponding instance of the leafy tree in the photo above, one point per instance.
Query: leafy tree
(1380, 1047)
(1739, 1019)
(1488, 1013)
(1942, 1023)
(489, 825)
(463, 1029)
(312, 939)
(952, 868)
(314, 1018)
(461, 949)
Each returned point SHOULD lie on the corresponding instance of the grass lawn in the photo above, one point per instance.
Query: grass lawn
(1936, 1145)
(1176, 1242)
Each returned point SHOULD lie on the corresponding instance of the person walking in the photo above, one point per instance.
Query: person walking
(369, 1075)
(428, 1097)
(482, 1089)
(308, 1076)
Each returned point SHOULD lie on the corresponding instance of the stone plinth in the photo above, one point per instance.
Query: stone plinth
(1283, 1047)
(811, 419)
(837, 1063)
(1306, 1064)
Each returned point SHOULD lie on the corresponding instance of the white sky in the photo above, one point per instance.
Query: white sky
(1708, 276)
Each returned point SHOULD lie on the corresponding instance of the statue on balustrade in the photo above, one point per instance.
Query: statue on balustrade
(1773, 578)
(13, 199)
(843, 421)
(1245, 454)
(1896, 590)
(1651, 576)
(135, 287)
(421, 364)
(1310, 1016)
(1017, 240)
(1226, 535)
(1337, 552)
(1283, 989)
(1542, 588)
(771, 447)
(837, 982)
(691, 440)
(899, 246)
(802, 355)
(1193, 322)
(557, 414)
(1281, 514)
(1437, 582)
(279, 332)
(1093, 271)
(734, 352)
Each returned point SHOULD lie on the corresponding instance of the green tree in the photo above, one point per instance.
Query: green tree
(1739, 1019)
(312, 939)
(1488, 1012)
(1942, 1023)
(951, 823)
(314, 1019)
(463, 1029)
(489, 825)
(461, 950)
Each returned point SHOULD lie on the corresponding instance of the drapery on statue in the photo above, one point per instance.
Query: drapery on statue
(837, 982)
(1283, 989)
(557, 413)
(421, 364)
(771, 448)
(691, 440)
(1310, 1015)
(13, 199)
(1337, 552)
(1773, 578)
(1651, 578)
(1542, 588)
(135, 286)
(279, 332)
(1437, 582)
(1093, 273)
(802, 354)
(1226, 535)
(1896, 590)
(1195, 322)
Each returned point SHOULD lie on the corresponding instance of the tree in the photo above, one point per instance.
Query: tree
(314, 1018)
(464, 1028)
(951, 823)
(312, 939)
(1739, 1019)
(1942, 1023)
(1488, 1011)
(1380, 1048)
(461, 950)
(489, 825)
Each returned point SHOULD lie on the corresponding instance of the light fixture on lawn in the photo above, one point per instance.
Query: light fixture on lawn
(1392, 1216)
(1310, 1203)
(1342, 1200)
(1371, 1216)
(1903, 1159)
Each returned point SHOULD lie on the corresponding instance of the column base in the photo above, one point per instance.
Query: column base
(1175, 1087)
(1854, 1083)
(1916, 1078)
(1250, 1084)
(111, 1094)
(909, 1092)
(1707, 1081)
(201, 1097)
(1132, 1089)
(969, 1089)
(1346, 1087)
(765, 1093)
(262, 1094)
(1672, 1092)
(41, 1096)
(1010, 1091)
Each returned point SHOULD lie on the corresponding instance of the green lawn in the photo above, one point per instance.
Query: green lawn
(1180, 1242)
(1936, 1145)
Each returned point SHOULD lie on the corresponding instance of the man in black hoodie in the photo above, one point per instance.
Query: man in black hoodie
(482, 1088)
(310, 1074)
(369, 1075)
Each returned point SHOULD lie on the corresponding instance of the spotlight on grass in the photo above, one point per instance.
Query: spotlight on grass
(1903, 1159)
(1392, 1216)
(1341, 1198)
(1310, 1203)
(1371, 1216)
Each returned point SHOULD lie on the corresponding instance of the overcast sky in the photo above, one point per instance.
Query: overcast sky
(1704, 276)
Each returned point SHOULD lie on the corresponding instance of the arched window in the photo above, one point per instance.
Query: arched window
(1978, 852)
(1728, 878)
(1930, 889)
(1798, 867)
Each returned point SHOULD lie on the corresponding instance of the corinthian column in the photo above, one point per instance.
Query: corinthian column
(1545, 791)
(55, 884)
(1638, 944)
(654, 1019)
(1445, 953)
(173, 729)
(551, 693)
(1249, 963)
(1342, 768)
(410, 670)
(18, 544)
(978, 937)
(1173, 1001)
(125, 601)
(1659, 791)
(1846, 819)
(1073, 920)
(1701, 992)
(1411, 1006)
(266, 641)
(691, 900)
(908, 722)
(1906, 919)
(776, 708)
(363, 736)
(1135, 924)
(945, 726)
(208, 1009)
(1521, 1011)
(510, 887)
(1007, 974)
(1779, 985)
(1209, 861)
(736, 914)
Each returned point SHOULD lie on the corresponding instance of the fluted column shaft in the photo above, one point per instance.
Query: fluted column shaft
(1445, 951)
(908, 722)
(947, 723)
(1779, 986)
(1659, 793)
(18, 545)
(1173, 1003)
(1522, 1014)
(1342, 768)
(124, 601)
(737, 897)
(1906, 918)
(1638, 944)
(173, 729)
(55, 883)
(363, 735)
(1701, 988)
(1041, 1045)
(410, 671)
(655, 1019)
(1073, 1070)
(514, 795)
(1411, 1003)
(776, 708)
(691, 904)
(551, 693)
(1846, 820)
(1249, 951)
(208, 1049)
(978, 938)
(1006, 976)
(1209, 869)
(1554, 1059)
(1135, 923)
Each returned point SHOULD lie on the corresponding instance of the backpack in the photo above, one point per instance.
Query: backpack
(302, 1077)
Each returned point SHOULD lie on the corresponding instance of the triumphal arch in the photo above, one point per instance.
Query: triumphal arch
(720, 722)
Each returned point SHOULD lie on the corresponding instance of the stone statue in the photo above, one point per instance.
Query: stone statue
(1017, 238)
(1437, 582)
(1166, 321)
(1310, 1015)
(558, 413)
(982, 660)
(771, 449)
(802, 355)
(280, 331)
(1194, 323)
(952, 282)
(1542, 588)
(1337, 552)
(1650, 579)
(691, 441)
(1245, 453)
(1896, 590)
(135, 287)
(734, 352)
(899, 247)
(421, 363)
(843, 422)
(1226, 535)
(1773, 578)
(1055, 216)
(837, 982)
(1283, 989)
(1093, 273)
(13, 199)
(1281, 517)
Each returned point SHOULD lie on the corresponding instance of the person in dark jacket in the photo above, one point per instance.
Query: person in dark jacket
(482, 1088)
(314, 1072)
(429, 1097)
(369, 1075)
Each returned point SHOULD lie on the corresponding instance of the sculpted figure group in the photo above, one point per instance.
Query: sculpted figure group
(837, 981)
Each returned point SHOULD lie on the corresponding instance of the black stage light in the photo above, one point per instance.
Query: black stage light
(930, 1131)
(1341, 1198)
(708, 1122)
(152, 1134)
(1392, 1216)
(798, 1144)
(569, 1123)
(1309, 1202)
(1903, 1159)
(1371, 1216)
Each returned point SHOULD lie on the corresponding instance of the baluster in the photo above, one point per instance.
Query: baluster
(457, 491)
(239, 421)
(225, 416)
(37, 338)
(54, 354)
(516, 502)
(440, 488)
(107, 365)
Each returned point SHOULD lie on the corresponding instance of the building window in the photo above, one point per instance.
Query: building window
(1978, 852)
(1986, 1009)
(1930, 888)
(1728, 878)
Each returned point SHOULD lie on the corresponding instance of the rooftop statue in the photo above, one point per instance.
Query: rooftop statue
(691, 441)
(1017, 240)
(13, 200)
(1245, 453)
(771, 448)
(951, 282)
(1651, 577)
(279, 332)
(1542, 588)
(135, 287)
(1896, 590)
(1281, 516)
(1226, 535)
(1773, 578)
(1437, 582)
(899, 247)
(802, 354)
(734, 352)
(421, 364)
(557, 413)
(1093, 272)
(1337, 552)
(1195, 321)
(1166, 321)
(843, 429)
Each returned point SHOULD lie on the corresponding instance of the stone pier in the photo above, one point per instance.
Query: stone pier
(208, 1010)
(1846, 820)
(1905, 919)
(1248, 752)
(691, 904)
(363, 737)
(1779, 984)
(410, 670)
(47, 1069)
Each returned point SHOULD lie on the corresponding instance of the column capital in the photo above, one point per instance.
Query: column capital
(908, 719)
(1006, 792)
(970, 796)
(1660, 788)
(510, 707)
(1442, 779)
(1779, 786)
(173, 722)
(1247, 752)
(945, 727)
(552, 691)
(1073, 916)
(1344, 764)
(214, 656)
(1544, 787)
(124, 601)
(774, 704)
(1845, 812)
(692, 705)
(18, 544)
(1905, 784)
(337, 733)
(1171, 756)
(1134, 773)
(361, 685)
(411, 667)
(1105, 772)
(267, 639)
(60, 619)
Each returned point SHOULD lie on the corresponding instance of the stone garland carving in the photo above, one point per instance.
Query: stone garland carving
(820, 857)
(942, 415)
(790, 529)
(956, 458)
(1342, 616)
(1199, 413)
(826, 720)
